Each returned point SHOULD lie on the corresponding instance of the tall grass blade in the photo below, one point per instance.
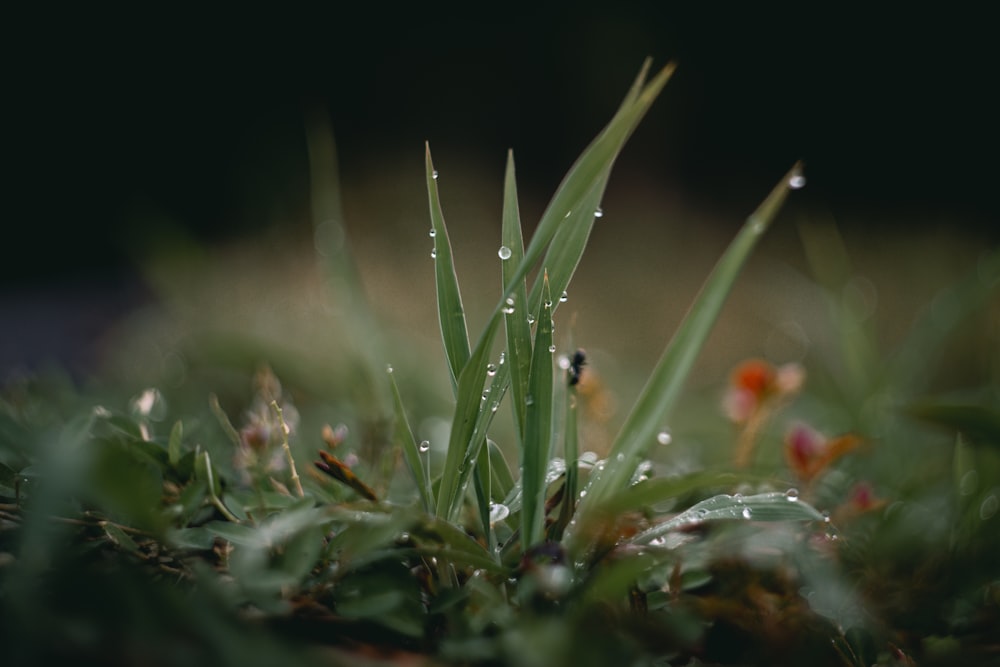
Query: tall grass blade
(518, 353)
(451, 313)
(411, 451)
(334, 254)
(536, 448)
(470, 419)
(588, 170)
(663, 387)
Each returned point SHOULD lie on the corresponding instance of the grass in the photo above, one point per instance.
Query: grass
(812, 523)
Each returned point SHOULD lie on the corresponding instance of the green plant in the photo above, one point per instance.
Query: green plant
(572, 560)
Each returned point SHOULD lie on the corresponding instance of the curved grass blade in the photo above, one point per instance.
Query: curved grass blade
(411, 451)
(775, 506)
(451, 313)
(661, 391)
(537, 426)
(592, 165)
(518, 353)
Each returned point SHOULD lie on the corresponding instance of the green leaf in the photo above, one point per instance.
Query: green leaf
(761, 507)
(537, 426)
(174, 444)
(411, 451)
(467, 428)
(451, 313)
(591, 168)
(518, 353)
(660, 394)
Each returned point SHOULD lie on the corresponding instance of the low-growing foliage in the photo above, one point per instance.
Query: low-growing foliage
(138, 535)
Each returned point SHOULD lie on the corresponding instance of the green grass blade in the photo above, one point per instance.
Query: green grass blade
(569, 242)
(462, 447)
(775, 506)
(537, 427)
(411, 451)
(451, 313)
(661, 391)
(590, 168)
(571, 453)
(518, 353)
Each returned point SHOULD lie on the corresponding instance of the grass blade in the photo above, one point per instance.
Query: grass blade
(776, 506)
(451, 313)
(592, 165)
(537, 427)
(518, 353)
(411, 451)
(661, 391)
(463, 448)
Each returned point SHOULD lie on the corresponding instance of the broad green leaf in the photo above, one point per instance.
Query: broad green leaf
(659, 395)
(761, 507)
(451, 313)
(411, 451)
(537, 444)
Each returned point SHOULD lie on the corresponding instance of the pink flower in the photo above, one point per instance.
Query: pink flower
(808, 452)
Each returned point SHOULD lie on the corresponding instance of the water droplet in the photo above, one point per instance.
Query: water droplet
(548, 303)
(563, 298)
(491, 369)
(531, 318)
(503, 358)
(486, 394)
(494, 407)
(425, 446)
(498, 512)
(563, 362)
(504, 252)
(434, 253)
(599, 213)
(619, 457)
(738, 497)
(792, 495)
(432, 233)
(529, 400)
(508, 310)
(583, 494)
(702, 512)
(747, 512)
(434, 174)
(509, 301)
(388, 368)
(568, 213)
(664, 437)
(796, 181)
(552, 348)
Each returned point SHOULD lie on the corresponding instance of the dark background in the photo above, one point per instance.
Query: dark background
(122, 119)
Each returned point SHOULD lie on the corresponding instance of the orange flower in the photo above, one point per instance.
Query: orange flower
(756, 390)
(755, 382)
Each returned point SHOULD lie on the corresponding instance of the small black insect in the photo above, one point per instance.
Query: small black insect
(576, 364)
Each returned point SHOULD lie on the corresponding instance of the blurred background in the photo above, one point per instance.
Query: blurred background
(157, 161)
